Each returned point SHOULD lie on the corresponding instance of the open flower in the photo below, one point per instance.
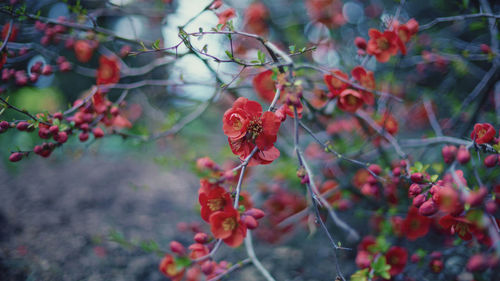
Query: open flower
(396, 258)
(367, 80)
(264, 85)
(350, 100)
(334, 84)
(108, 71)
(483, 133)
(459, 225)
(382, 45)
(225, 16)
(226, 225)
(415, 225)
(170, 269)
(246, 127)
(212, 200)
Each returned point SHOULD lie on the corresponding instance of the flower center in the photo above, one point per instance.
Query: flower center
(382, 43)
(351, 100)
(229, 224)
(215, 204)
(106, 72)
(481, 133)
(172, 270)
(255, 128)
(237, 124)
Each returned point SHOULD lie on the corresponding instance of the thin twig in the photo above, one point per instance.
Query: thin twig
(456, 18)
(251, 254)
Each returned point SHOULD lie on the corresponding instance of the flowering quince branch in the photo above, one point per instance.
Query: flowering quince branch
(329, 148)
(74, 25)
(457, 18)
(9, 32)
(339, 103)
(348, 81)
(25, 112)
(231, 269)
(315, 199)
(253, 257)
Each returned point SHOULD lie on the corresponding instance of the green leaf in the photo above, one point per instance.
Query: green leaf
(261, 56)
(292, 48)
(229, 55)
(381, 268)
(360, 275)
(183, 261)
(434, 178)
(156, 44)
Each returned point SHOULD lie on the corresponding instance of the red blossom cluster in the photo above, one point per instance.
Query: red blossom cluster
(386, 44)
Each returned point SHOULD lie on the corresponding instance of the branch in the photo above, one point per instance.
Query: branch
(254, 259)
(457, 18)
(231, 269)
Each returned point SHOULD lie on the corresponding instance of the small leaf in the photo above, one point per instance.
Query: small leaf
(156, 44)
(360, 275)
(261, 56)
(292, 48)
(228, 53)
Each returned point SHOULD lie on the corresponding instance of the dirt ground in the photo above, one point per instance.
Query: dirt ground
(56, 217)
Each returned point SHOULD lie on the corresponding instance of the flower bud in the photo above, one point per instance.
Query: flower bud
(61, 137)
(490, 207)
(54, 129)
(256, 213)
(414, 190)
(490, 160)
(428, 208)
(201, 237)
(98, 132)
(449, 152)
(177, 248)
(417, 177)
(83, 136)
(360, 42)
(477, 263)
(476, 197)
(22, 126)
(463, 155)
(16, 156)
(207, 267)
(250, 222)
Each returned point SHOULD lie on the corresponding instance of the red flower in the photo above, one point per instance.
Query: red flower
(170, 269)
(350, 100)
(415, 225)
(246, 127)
(396, 258)
(100, 103)
(3, 59)
(226, 225)
(255, 18)
(13, 32)
(226, 15)
(460, 225)
(213, 200)
(197, 251)
(405, 32)
(367, 80)
(483, 133)
(108, 71)
(389, 123)
(264, 85)
(382, 45)
(335, 85)
(83, 50)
